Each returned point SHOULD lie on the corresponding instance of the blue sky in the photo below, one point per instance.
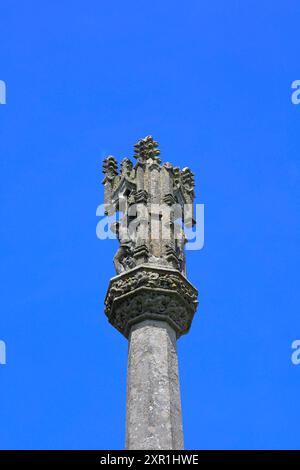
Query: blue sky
(211, 81)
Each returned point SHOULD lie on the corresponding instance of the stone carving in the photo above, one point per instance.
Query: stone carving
(151, 306)
(151, 265)
(153, 293)
(149, 193)
(150, 301)
(123, 259)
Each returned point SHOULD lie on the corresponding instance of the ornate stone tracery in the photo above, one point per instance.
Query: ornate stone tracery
(157, 200)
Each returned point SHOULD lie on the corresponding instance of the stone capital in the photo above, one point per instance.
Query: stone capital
(151, 293)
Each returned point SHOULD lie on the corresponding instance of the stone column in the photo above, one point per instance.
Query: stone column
(153, 411)
(152, 307)
(150, 301)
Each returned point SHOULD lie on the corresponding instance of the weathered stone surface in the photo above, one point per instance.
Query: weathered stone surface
(155, 200)
(150, 301)
(153, 397)
(149, 292)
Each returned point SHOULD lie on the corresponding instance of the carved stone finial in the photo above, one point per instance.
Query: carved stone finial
(159, 195)
(110, 167)
(146, 149)
(188, 181)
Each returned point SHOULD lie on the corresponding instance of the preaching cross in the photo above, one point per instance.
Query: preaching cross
(150, 300)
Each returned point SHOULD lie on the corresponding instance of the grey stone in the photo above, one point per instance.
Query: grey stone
(153, 419)
(150, 301)
(151, 292)
(159, 196)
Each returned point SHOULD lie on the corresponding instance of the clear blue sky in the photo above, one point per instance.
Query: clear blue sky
(211, 81)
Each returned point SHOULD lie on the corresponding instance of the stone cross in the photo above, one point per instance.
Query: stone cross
(150, 300)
